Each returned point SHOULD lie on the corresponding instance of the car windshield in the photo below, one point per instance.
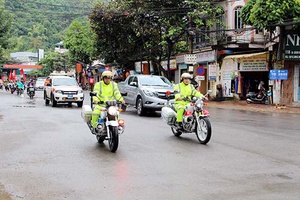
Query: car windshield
(155, 81)
(65, 82)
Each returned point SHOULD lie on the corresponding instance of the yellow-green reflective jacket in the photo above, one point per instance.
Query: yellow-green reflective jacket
(107, 92)
(182, 90)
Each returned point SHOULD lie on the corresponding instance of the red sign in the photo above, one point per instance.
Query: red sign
(200, 70)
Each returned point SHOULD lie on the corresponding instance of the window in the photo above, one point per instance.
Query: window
(237, 20)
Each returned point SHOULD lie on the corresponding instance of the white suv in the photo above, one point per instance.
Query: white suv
(63, 89)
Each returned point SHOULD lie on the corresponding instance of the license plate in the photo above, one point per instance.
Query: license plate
(31, 89)
(70, 96)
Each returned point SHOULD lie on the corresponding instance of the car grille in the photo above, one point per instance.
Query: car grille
(162, 95)
(69, 92)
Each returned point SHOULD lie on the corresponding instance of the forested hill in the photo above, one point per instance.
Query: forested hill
(41, 23)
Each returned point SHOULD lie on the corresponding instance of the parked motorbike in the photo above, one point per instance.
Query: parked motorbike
(195, 120)
(31, 92)
(109, 126)
(253, 97)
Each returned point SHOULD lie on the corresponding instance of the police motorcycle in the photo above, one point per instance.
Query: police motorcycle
(109, 126)
(195, 119)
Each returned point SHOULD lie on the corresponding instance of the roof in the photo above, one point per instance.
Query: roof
(6, 66)
(245, 55)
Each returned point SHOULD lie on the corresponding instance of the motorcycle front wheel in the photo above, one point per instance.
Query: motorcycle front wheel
(114, 139)
(203, 130)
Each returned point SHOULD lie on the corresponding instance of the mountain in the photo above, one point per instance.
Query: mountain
(39, 24)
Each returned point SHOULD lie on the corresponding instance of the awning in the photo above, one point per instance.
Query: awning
(6, 66)
(245, 55)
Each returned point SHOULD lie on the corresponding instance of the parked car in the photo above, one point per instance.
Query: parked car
(63, 89)
(147, 93)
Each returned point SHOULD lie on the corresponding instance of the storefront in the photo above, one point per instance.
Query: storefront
(184, 63)
(291, 87)
(241, 74)
(206, 70)
(173, 68)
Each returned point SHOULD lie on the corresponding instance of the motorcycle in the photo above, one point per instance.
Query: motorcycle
(31, 92)
(20, 91)
(13, 88)
(109, 126)
(253, 97)
(195, 119)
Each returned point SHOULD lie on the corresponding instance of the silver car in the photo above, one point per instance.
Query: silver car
(146, 92)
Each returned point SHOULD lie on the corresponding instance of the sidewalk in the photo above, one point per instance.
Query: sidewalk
(242, 105)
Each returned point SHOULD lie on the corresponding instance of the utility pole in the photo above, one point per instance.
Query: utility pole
(191, 34)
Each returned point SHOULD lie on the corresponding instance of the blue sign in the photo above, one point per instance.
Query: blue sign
(200, 70)
(279, 74)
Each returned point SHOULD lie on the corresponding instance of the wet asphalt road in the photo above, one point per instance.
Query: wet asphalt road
(49, 153)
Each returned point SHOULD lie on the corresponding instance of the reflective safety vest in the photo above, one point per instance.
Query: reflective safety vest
(182, 90)
(107, 92)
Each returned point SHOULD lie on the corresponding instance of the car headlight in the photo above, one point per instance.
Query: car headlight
(58, 91)
(149, 93)
(80, 91)
(112, 110)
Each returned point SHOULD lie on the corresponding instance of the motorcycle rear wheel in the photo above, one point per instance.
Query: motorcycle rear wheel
(113, 142)
(203, 132)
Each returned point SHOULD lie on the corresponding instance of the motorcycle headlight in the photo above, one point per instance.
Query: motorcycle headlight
(149, 93)
(199, 104)
(112, 110)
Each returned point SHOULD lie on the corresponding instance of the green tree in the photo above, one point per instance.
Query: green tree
(150, 30)
(5, 24)
(55, 61)
(260, 13)
(80, 41)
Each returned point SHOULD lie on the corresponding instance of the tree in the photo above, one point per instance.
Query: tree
(150, 30)
(260, 13)
(5, 21)
(80, 41)
(55, 61)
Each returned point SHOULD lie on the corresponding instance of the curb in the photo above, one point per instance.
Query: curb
(242, 105)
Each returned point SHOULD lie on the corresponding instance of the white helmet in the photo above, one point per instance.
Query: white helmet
(185, 75)
(107, 74)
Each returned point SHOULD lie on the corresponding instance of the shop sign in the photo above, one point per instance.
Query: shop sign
(200, 78)
(212, 72)
(186, 59)
(292, 47)
(279, 74)
(208, 56)
(254, 63)
(173, 66)
(182, 66)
